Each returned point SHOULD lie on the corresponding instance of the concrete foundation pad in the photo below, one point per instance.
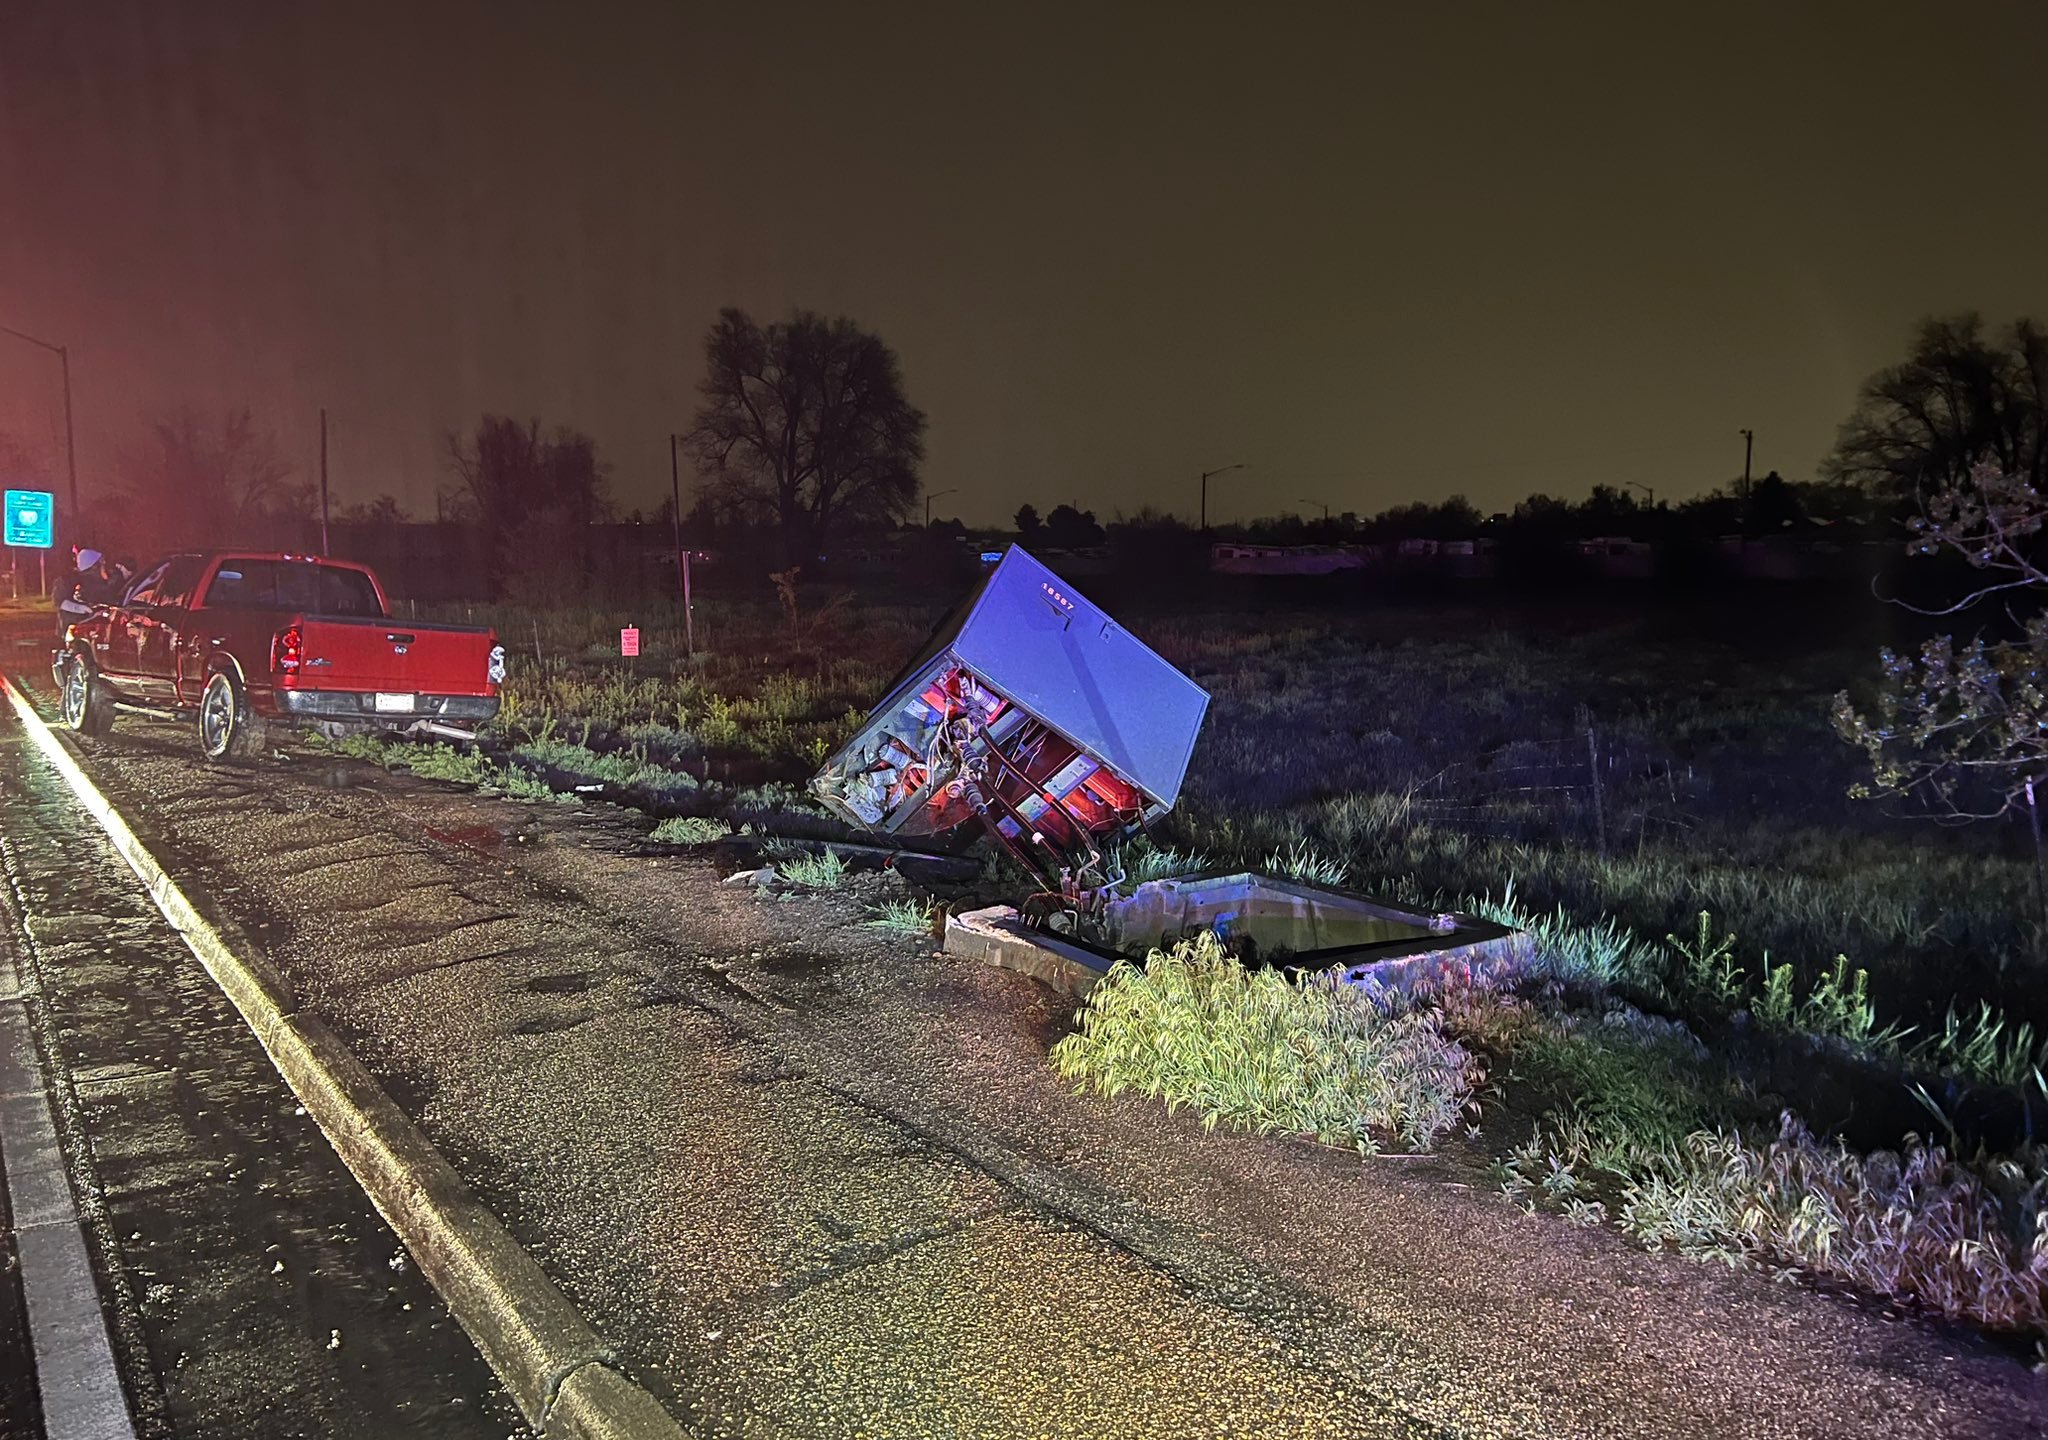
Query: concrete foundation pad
(1475, 953)
(996, 936)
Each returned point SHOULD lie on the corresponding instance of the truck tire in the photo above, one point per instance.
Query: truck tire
(87, 707)
(230, 730)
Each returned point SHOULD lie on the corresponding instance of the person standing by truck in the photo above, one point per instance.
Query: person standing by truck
(93, 580)
(70, 590)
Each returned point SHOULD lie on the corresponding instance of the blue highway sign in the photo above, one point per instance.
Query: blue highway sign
(28, 518)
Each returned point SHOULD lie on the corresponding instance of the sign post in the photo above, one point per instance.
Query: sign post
(30, 524)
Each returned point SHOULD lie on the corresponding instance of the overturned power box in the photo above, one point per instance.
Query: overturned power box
(1033, 713)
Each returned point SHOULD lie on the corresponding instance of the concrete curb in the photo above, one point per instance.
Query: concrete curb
(559, 1371)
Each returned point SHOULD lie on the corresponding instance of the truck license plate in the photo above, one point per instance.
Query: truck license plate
(387, 701)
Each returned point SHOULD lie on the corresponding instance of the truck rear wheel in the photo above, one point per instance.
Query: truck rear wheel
(87, 708)
(229, 728)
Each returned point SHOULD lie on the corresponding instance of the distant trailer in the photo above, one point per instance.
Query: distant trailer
(1230, 559)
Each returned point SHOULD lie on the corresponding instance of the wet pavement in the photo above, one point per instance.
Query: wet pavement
(20, 1410)
(813, 1179)
(251, 1288)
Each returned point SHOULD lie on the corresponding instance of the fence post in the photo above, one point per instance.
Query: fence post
(1599, 807)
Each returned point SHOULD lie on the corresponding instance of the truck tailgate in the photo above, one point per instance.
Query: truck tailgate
(395, 656)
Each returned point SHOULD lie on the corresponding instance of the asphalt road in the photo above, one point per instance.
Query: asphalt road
(251, 1289)
(815, 1180)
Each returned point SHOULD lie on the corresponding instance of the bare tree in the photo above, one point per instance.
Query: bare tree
(1965, 726)
(27, 466)
(1960, 399)
(805, 422)
(535, 497)
(198, 480)
(384, 510)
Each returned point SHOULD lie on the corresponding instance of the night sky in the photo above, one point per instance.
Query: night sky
(1378, 255)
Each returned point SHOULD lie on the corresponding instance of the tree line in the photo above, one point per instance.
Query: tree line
(803, 437)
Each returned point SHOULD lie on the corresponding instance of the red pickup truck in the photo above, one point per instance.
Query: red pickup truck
(241, 641)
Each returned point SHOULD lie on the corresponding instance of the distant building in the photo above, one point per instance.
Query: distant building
(1788, 557)
(1233, 558)
(1619, 557)
(1477, 559)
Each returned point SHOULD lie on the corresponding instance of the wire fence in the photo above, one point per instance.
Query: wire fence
(1604, 789)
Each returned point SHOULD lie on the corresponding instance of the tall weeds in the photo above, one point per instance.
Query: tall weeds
(1258, 1051)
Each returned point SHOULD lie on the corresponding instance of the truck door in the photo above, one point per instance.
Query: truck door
(117, 657)
(163, 639)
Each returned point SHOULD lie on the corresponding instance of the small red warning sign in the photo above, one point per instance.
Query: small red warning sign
(629, 640)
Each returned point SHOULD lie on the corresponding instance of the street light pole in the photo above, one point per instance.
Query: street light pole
(1748, 444)
(323, 481)
(1644, 488)
(70, 449)
(1326, 508)
(63, 355)
(935, 495)
(1225, 470)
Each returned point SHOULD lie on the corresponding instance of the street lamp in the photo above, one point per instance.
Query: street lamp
(1748, 445)
(1644, 488)
(1205, 490)
(1326, 508)
(70, 455)
(934, 495)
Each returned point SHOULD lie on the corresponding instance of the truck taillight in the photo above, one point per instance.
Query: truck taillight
(495, 671)
(287, 650)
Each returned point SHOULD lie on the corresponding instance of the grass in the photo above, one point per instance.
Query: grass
(630, 770)
(690, 830)
(1599, 953)
(1453, 750)
(1649, 1131)
(1963, 1241)
(447, 763)
(824, 871)
(1142, 862)
(1259, 1051)
(905, 917)
(1301, 861)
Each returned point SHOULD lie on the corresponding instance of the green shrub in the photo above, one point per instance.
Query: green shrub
(445, 762)
(626, 770)
(1707, 973)
(690, 830)
(1262, 1052)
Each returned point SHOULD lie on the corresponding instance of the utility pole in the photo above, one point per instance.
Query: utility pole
(1225, 470)
(70, 450)
(323, 481)
(1748, 444)
(63, 355)
(675, 514)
